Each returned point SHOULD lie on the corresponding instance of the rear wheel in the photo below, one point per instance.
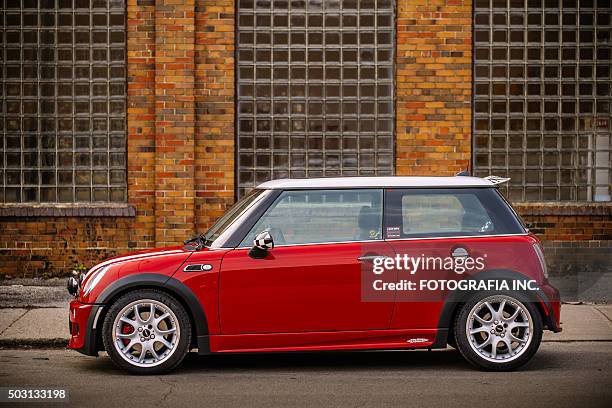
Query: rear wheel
(498, 332)
(147, 332)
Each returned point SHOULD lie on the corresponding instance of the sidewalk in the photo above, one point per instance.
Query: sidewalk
(48, 326)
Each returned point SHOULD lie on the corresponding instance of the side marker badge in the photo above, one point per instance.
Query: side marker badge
(417, 340)
(198, 268)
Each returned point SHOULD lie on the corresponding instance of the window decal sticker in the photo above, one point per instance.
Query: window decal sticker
(393, 232)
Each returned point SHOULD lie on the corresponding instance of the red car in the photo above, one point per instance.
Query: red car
(330, 264)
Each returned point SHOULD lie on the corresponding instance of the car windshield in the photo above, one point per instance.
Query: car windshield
(230, 216)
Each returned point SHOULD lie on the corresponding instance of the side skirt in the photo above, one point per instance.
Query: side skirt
(314, 341)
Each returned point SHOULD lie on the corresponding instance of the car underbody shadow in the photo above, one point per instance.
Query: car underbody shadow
(325, 361)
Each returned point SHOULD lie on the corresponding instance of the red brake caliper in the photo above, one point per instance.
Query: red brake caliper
(126, 329)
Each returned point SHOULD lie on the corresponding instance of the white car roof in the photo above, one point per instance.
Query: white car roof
(363, 182)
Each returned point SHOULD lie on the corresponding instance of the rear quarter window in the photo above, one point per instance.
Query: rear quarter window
(414, 213)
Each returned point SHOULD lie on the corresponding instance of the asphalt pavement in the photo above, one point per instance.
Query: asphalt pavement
(562, 374)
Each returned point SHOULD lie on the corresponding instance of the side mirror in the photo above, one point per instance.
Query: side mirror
(262, 243)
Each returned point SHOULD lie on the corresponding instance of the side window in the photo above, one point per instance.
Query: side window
(414, 213)
(304, 217)
(440, 213)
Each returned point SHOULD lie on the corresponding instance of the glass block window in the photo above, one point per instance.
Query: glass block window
(542, 95)
(315, 89)
(63, 113)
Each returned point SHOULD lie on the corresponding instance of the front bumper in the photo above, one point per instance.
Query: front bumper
(82, 323)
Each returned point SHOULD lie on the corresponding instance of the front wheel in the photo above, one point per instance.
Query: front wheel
(146, 332)
(498, 332)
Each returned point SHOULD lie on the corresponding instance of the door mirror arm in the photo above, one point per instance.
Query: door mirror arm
(258, 253)
(262, 244)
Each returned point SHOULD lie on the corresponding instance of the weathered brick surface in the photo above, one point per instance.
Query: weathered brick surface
(581, 270)
(174, 120)
(214, 92)
(434, 82)
(47, 247)
(568, 221)
(577, 241)
(141, 118)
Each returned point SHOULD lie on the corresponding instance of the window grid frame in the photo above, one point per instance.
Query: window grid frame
(585, 140)
(55, 87)
(294, 149)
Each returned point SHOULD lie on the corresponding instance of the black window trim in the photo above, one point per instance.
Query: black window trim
(504, 202)
(248, 220)
(263, 207)
(234, 241)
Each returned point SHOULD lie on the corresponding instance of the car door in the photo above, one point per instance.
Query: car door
(311, 280)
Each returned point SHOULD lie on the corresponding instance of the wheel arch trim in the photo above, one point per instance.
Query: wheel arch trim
(172, 286)
(456, 298)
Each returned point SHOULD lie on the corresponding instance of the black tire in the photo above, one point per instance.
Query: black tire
(462, 339)
(182, 321)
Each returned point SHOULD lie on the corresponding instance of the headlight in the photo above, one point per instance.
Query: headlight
(540, 254)
(94, 280)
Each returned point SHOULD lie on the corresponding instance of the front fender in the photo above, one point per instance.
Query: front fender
(168, 284)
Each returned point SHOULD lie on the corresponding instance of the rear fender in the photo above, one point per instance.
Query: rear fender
(456, 298)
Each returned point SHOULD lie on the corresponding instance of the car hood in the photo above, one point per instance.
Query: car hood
(163, 261)
(175, 252)
(145, 253)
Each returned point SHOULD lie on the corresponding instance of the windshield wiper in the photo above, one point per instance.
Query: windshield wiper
(195, 243)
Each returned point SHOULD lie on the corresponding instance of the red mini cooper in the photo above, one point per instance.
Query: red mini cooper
(330, 264)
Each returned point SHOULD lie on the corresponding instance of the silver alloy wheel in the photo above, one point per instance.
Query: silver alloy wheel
(146, 333)
(499, 328)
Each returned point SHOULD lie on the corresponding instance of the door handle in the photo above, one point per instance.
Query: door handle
(372, 258)
(460, 252)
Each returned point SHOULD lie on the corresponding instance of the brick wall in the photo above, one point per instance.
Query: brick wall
(174, 120)
(581, 270)
(51, 246)
(577, 241)
(141, 119)
(214, 90)
(434, 82)
(568, 221)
